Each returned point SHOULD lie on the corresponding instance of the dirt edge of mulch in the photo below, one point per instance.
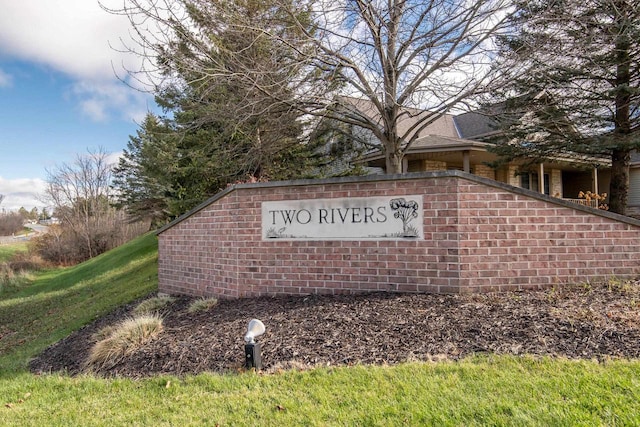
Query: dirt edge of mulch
(578, 322)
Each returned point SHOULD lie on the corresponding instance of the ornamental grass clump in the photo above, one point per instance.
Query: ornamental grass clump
(202, 304)
(153, 305)
(125, 339)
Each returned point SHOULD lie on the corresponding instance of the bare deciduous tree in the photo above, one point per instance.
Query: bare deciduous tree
(10, 223)
(365, 63)
(80, 195)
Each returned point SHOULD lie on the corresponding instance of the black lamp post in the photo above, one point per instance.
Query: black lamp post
(252, 357)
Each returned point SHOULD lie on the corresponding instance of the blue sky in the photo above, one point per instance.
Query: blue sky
(59, 94)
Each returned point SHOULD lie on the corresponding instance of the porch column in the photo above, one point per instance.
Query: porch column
(541, 178)
(465, 161)
(595, 180)
(405, 165)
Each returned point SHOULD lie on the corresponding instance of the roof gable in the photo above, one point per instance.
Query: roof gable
(475, 125)
(408, 117)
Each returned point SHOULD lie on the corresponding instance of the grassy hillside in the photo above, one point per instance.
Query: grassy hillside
(62, 300)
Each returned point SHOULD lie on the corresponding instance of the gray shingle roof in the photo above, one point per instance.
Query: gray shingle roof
(473, 125)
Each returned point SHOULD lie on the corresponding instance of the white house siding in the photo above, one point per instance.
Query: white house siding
(633, 197)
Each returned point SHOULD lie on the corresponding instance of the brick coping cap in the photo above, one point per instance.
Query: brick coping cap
(402, 177)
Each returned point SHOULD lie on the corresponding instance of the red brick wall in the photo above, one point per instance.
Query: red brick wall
(480, 235)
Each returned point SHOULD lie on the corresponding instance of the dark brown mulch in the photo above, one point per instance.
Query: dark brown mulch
(594, 321)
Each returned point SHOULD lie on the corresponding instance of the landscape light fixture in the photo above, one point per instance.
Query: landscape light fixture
(252, 358)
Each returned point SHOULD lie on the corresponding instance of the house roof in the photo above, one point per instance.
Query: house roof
(440, 142)
(443, 125)
(469, 125)
(474, 125)
(450, 133)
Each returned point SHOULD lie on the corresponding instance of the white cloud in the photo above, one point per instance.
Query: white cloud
(95, 109)
(19, 193)
(5, 79)
(114, 158)
(75, 38)
(71, 36)
(101, 100)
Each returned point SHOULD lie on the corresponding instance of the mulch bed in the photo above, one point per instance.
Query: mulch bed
(580, 321)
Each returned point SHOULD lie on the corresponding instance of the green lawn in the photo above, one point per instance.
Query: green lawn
(6, 251)
(479, 391)
(482, 390)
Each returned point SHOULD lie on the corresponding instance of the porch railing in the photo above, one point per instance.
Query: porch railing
(591, 203)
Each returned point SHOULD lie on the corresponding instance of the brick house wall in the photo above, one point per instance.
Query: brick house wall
(484, 171)
(480, 235)
(556, 183)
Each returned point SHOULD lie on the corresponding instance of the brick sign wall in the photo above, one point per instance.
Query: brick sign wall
(476, 235)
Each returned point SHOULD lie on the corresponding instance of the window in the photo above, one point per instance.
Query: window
(529, 180)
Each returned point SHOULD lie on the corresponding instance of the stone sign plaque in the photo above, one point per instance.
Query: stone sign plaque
(357, 218)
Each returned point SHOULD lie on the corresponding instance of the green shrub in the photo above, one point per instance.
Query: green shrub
(202, 304)
(153, 305)
(125, 339)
